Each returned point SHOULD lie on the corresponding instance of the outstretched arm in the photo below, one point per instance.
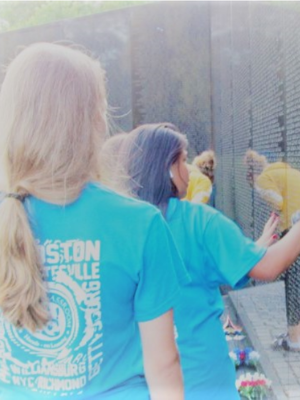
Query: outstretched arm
(278, 257)
(161, 359)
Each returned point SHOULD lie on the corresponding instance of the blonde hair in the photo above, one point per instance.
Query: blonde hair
(204, 158)
(53, 120)
(255, 161)
(206, 162)
(112, 169)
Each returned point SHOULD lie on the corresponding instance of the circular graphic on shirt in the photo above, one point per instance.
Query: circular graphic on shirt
(60, 332)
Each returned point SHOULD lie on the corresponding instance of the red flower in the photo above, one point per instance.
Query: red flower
(262, 382)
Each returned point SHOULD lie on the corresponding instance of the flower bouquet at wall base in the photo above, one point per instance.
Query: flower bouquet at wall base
(244, 357)
(253, 386)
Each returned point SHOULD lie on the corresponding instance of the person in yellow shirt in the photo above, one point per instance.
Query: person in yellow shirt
(279, 185)
(199, 187)
(206, 162)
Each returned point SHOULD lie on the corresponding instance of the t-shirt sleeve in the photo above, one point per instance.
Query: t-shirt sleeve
(161, 274)
(233, 255)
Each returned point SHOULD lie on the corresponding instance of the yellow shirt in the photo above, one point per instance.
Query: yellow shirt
(279, 185)
(199, 187)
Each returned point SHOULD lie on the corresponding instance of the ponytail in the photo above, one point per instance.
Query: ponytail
(23, 297)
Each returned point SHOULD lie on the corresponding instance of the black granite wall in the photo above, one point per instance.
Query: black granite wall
(256, 89)
(106, 35)
(171, 68)
(157, 59)
(226, 73)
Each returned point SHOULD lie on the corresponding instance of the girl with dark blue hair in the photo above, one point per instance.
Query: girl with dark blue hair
(214, 250)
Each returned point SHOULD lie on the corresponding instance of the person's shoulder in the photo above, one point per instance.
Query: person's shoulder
(192, 219)
(276, 167)
(189, 209)
(202, 179)
(201, 207)
(120, 202)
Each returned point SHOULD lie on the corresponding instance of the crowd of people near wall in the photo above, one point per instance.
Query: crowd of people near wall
(110, 260)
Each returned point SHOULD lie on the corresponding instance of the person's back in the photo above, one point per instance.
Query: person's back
(92, 278)
(208, 369)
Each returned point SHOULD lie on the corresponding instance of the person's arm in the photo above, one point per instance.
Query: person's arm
(161, 359)
(279, 256)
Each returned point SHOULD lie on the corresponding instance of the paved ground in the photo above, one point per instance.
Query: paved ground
(261, 311)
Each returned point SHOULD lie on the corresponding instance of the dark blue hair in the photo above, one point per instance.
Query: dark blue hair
(152, 150)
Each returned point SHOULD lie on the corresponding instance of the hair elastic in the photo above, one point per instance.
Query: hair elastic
(17, 196)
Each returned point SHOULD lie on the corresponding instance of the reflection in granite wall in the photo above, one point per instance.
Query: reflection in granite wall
(106, 35)
(157, 61)
(242, 117)
(221, 26)
(170, 54)
(291, 67)
(216, 95)
(259, 100)
(268, 129)
(167, 61)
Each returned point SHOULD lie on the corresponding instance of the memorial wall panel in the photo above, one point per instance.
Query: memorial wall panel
(256, 83)
(242, 113)
(157, 59)
(221, 38)
(267, 90)
(171, 68)
(226, 73)
(106, 35)
(216, 23)
(291, 59)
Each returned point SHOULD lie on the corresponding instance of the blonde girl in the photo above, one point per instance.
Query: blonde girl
(80, 276)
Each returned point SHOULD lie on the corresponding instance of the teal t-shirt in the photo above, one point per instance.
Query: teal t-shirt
(215, 252)
(110, 263)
